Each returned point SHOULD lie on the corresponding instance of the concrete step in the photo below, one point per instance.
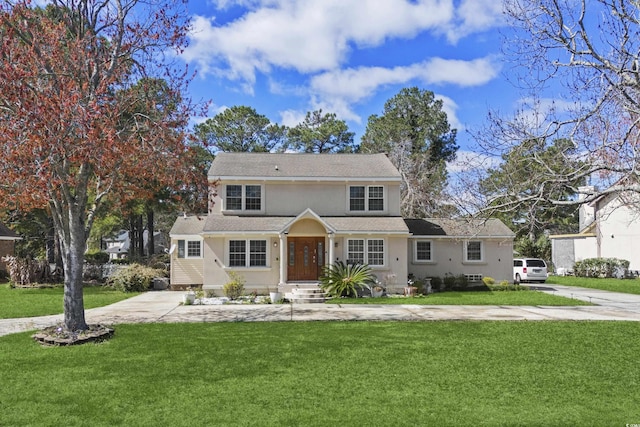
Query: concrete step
(307, 295)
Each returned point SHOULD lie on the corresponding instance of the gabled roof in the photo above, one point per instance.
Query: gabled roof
(7, 234)
(188, 225)
(301, 166)
(220, 224)
(459, 228)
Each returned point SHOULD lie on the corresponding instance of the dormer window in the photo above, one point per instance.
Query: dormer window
(366, 198)
(243, 198)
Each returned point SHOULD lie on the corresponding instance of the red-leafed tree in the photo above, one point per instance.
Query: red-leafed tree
(77, 126)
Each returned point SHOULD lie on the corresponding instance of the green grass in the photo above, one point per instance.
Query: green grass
(627, 286)
(330, 373)
(20, 302)
(470, 298)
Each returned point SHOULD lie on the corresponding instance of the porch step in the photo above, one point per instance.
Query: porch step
(306, 295)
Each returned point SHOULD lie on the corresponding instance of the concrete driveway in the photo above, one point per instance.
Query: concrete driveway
(165, 307)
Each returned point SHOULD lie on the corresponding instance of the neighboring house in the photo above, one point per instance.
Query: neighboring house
(118, 247)
(7, 244)
(609, 228)
(278, 219)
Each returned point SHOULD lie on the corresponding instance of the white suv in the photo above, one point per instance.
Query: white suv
(529, 270)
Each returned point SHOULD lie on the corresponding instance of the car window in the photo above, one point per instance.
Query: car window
(517, 263)
(535, 263)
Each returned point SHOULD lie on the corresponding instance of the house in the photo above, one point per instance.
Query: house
(609, 227)
(475, 248)
(7, 244)
(278, 219)
(118, 247)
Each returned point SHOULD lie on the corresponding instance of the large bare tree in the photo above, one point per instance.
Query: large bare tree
(578, 65)
(70, 137)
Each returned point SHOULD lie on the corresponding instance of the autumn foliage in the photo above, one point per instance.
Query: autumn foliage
(90, 109)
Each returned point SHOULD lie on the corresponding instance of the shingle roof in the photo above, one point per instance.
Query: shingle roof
(252, 224)
(302, 165)
(7, 234)
(190, 225)
(459, 227)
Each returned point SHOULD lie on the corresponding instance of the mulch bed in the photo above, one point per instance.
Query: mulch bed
(58, 336)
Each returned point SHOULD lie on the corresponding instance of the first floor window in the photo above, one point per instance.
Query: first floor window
(193, 249)
(247, 253)
(423, 250)
(369, 251)
(257, 253)
(189, 249)
(474, 251)
(355, 253)
(237, 253)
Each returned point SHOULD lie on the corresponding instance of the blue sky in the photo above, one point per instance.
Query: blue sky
(287, 57)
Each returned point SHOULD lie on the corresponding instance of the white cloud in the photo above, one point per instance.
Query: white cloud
(306, 35)
(468, 160)
(337, 90)
(473, 16)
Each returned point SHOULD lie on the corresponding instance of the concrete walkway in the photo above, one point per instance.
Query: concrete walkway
(165, 307)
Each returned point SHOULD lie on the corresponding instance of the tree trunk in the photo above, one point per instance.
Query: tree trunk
(151, 244)
(73, 263)
(140, 236)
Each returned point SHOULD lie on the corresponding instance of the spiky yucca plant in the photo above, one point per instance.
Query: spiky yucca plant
(342, 279)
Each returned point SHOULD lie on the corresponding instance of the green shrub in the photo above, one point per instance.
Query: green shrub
(461, 281)
(488, 280)
(600, 267)
(234, 288)
(436, 284)
(449, 282)
(96, 257)
(342, 279)
(134, 278)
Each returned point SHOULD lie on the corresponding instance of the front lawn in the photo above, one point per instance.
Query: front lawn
(470, 298)
(329, 373)
(31, 302)
(627, 286)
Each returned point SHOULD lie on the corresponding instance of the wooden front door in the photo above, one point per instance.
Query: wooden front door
(305, 258)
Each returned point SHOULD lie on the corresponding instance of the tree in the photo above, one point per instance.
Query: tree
(241, 128)
(587, 55)
(321, 133)
(533, 157)
(416, 134)
(64, 79)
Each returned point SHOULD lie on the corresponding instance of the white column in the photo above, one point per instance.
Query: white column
(331, 249)
(283, 258)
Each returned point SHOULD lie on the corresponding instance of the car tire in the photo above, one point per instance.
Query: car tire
(518, 280)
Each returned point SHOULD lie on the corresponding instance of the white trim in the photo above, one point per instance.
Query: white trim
(247, 254)
(414, 247)
(385, 250)
(213, 178)
(244, 210)
(465, 259)
(367, 211)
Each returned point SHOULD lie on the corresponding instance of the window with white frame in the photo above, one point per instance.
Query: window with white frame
(473, 251)
(369, 251)
(366, 198)
(423, 251)
(243, 197)
(189, 249)
(247, 253)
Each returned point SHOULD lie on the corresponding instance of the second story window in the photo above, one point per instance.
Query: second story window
(252, 198)
(366, 198)
(243, 198)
